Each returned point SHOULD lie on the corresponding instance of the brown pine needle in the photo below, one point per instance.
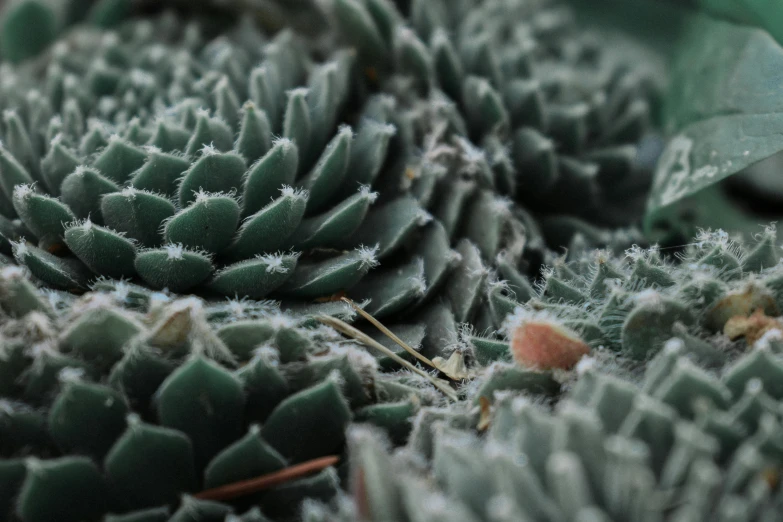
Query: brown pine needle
(350, 331)
(246, 487)
(405, 346)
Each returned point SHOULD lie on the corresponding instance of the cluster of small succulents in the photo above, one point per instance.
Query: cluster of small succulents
(162, 175)
(131, 154)
(631, 304)
(691, 434)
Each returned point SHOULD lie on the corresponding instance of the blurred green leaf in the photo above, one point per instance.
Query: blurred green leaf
(765, 14)
(723, 113)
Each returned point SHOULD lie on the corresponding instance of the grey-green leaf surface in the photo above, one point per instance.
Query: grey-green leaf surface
(724, 113)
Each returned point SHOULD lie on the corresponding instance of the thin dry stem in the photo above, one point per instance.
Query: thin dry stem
(352, 332)
(388, 333)
(246, 487)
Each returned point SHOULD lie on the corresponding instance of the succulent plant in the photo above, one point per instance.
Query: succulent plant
(162, 174)
(112, 167)
(124, 400)
(692, 432)
(510, 97)
(139, 160)
(127, 189)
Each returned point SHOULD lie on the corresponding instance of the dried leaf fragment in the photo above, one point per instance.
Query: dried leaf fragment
(546, 345)
(751, 328)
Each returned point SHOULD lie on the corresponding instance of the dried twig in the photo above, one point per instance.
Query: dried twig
(246, 487)
(388, 333)
(362, 337)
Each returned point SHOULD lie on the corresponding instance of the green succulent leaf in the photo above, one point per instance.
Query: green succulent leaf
(168, 138)
(390, 225)
(394, 417)
(318, 278)
(722, 113)
(448, 210)
(205, 402)
(28, 27)
(24, 429)
(12, 173)
(392, 290)
(79, 404)
(243, 337)
(108, 13)
(137, 214)
(57, 164)
(12, 474)
(255, 278)
(43, 215)
(100, 335)
(208, 224)
(331, 226)
(74, 487)
(82, 191)
(265, 92)
(118, 160)
(160, 173)
(19, 296)
(277, 168)
(213, 172)
(323, 100)
(650, 324)
(368, 153)
(297, 126)
(227, 103)
(211, 133)
(269, 229)
(247, 458)
(173, 267)
(255, 134)
(139, 374)
(327, 175)
(19, 143)
(193, 509)
(507, 377)
(357, 23)
(264, 385)
(309, 424)
(160, 514)
(61, 273)
(93, 141)
(150, 465)
(104, 251)
(464, 285)
(767, 15)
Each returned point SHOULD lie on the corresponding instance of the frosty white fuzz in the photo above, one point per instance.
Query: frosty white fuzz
(174, 251)
(366, 192)
(369, 256)
(294, 193)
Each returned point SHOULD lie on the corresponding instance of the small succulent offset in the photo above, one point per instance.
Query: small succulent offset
(186, 198)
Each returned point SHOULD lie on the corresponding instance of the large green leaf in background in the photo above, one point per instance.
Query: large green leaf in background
(724, 112)
(766, 14)
(721, 111)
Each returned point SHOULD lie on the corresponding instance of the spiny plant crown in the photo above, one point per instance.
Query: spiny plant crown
(691, 434)
(258, 161)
